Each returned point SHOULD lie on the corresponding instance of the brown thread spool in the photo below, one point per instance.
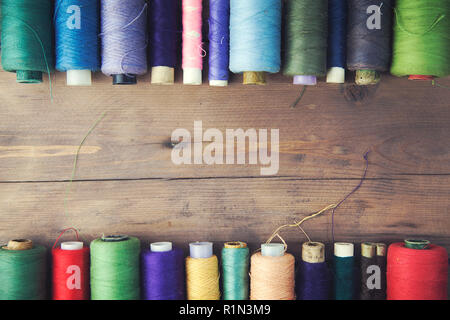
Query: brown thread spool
(19, 244)
(313, 252)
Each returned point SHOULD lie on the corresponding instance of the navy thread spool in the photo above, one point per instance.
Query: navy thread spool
(163, 40)
(314, 280)
(369, 38)
(337, 40)
(219, 42)
(124, 39)
(76, 40)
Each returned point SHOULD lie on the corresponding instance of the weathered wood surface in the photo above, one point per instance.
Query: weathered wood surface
(126, 182)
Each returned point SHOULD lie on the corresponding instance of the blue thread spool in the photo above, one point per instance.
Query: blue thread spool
(76, 37)
(255, 38)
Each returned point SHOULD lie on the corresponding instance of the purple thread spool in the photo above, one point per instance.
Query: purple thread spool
(219, 42)
(163, 40)
(124, 39)
(163, 273)
(313, 277)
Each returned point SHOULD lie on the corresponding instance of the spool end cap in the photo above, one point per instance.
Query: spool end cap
(27, 76)
(272, 249)
(201, 250)
(79, 77)
(124, 79)
(305, 80)
(161, 246)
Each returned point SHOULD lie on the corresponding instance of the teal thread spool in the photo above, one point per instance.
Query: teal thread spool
(235, 262)
(27, 47)
(115, 268)
(22, 271)
(344, 266)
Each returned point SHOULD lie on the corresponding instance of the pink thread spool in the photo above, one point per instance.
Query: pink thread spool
(192, 42)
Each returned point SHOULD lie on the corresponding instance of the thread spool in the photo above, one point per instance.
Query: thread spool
(421, 47)
(22, 271)
(162, 272)
(163, 40)
(27, 47)
(337, 36)
(368, 277)
(306, 44)
(115, 268)
(272, 274)
(255, 38)
(202, 272)
(192, 42)
(313, 276)
(124, 40)
(70, 276)
(235, 265)
(76, 40)
(417, 270)
(344, 283)
(369, 39)
(219, 42)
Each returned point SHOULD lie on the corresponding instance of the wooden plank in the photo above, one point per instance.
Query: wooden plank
(246, 209)
(405, 124)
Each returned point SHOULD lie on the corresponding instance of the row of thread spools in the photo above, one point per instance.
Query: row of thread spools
(322, 38)
(114, 267)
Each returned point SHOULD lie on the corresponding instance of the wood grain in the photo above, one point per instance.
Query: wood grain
(126, 182)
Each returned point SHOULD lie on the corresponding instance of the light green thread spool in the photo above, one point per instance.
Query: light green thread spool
(421, 38)
(115, 268)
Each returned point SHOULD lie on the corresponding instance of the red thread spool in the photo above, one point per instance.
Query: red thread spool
(416, 274)
(70, 276)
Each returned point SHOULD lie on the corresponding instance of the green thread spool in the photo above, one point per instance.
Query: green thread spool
(344, 267)
(27, 37)
(306, 38)
(235, 262)
(421, 39)
(416, 244)
(22, 271)
(115, 268)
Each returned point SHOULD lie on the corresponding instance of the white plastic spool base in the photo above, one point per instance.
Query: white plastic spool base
(218, 83)
(336, 75)
(161, 246)
(344, 249)
(79, 78)
(272, 249)
(192, 76)
(201, 250)
(305, 80)
(72, 245)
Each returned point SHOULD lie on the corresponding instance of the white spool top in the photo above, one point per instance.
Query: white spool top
(336, 75)
(305, 80)
(218, 83)
(79, 78)
(200, 250)
(72, 245)
(344, 249)
(192, 76)
(161, 246)
(272, 249)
